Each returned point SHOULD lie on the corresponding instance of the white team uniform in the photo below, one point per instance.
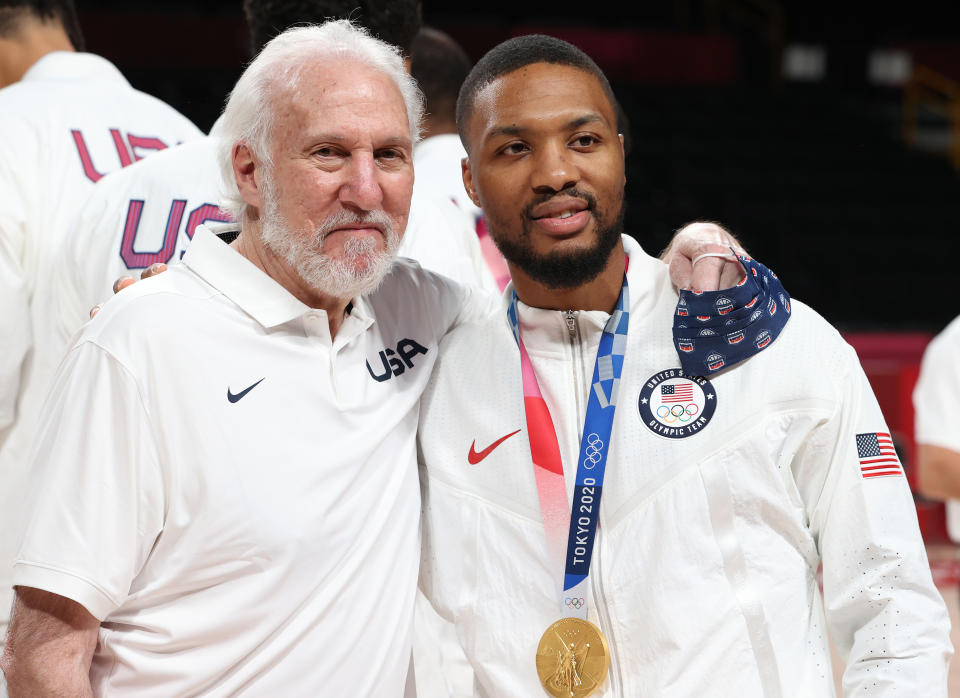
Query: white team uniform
(234, 495)
(134, 217)
(936, 401)
(441, 240)
(704, 571)
(70, 119)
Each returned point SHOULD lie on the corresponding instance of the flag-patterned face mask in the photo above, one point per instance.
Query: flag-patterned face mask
(713, 330)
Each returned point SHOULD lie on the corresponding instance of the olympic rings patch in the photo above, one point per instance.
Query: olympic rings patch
(575, 602)
(675, 405)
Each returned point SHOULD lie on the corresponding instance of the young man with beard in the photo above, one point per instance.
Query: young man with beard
(225, 500)
(723, 488)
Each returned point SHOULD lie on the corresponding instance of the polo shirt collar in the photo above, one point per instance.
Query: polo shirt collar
(255, 292)
(70, 65)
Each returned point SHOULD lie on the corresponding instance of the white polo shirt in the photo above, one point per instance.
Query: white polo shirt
(232, 493)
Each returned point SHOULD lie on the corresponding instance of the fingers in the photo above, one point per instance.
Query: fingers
(681, 270)
(691, 263)
(731, 274)
(706, 274)
(122, 283)
(153, 270)
(125, 281)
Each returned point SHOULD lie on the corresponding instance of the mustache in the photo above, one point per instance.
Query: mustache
(374, 219)
(568, 192)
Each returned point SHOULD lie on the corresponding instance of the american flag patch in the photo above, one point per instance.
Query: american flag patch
(877, 455)
(676, 393)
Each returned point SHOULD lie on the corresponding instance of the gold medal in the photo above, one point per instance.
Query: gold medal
(572, 658)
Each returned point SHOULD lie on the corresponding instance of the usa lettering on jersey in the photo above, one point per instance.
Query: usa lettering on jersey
(396, 362)
(128, 149)
(136, 258)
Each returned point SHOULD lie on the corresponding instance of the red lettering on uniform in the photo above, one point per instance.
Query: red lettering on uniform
(204, 213)
(145, 143)
(142, 260)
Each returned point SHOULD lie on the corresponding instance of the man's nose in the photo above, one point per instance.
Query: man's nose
(361, 189)
(554, 169)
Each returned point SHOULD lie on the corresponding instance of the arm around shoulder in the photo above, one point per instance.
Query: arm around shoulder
(49, 646)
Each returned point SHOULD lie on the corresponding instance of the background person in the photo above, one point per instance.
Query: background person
(66, 119)
(936, 400)
(440, 65)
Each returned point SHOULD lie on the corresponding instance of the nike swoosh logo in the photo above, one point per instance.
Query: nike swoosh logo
(473, 457)
(233, 398)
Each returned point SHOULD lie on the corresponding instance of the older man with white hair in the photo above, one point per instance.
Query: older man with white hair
(226, 487)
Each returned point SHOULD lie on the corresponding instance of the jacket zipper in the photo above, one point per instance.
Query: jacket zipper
(596, 584)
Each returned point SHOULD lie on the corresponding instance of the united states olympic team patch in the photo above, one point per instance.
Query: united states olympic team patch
(676, 405)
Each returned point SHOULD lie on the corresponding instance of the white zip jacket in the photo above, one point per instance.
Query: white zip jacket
(704, 573)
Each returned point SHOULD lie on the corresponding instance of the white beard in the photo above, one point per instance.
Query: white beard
(360, 269)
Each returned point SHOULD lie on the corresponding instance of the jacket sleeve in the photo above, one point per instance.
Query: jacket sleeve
(883, 611)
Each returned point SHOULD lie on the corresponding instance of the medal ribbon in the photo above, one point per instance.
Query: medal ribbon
(580, 527)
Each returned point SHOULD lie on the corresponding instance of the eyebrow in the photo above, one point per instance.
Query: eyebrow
(396, 140)
(514, 130)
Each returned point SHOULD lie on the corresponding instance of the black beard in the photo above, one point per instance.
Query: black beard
(562, 270)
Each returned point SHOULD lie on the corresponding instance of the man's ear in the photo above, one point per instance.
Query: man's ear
(246, 171)
(468, 181)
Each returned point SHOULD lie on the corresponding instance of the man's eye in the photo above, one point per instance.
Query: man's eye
(324, 152)
(584, 141)
(515, 149)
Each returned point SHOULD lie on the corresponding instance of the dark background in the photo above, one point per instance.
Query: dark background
(814, 176)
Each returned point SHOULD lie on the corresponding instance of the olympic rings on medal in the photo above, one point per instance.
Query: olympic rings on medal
(574, 602)
(592, 452)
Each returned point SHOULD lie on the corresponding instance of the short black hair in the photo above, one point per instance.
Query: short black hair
(393, 21)
(13, 12)
(514, 54)
(439, 65)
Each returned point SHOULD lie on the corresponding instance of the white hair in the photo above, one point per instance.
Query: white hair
(250, 111)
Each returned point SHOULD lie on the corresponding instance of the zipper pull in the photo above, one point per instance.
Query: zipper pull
(570, 317)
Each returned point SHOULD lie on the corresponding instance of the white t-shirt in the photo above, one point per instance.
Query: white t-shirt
(70, 119)
(936, 402)
(234, 495)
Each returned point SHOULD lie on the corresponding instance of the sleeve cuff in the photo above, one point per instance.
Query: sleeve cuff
(66, 584)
